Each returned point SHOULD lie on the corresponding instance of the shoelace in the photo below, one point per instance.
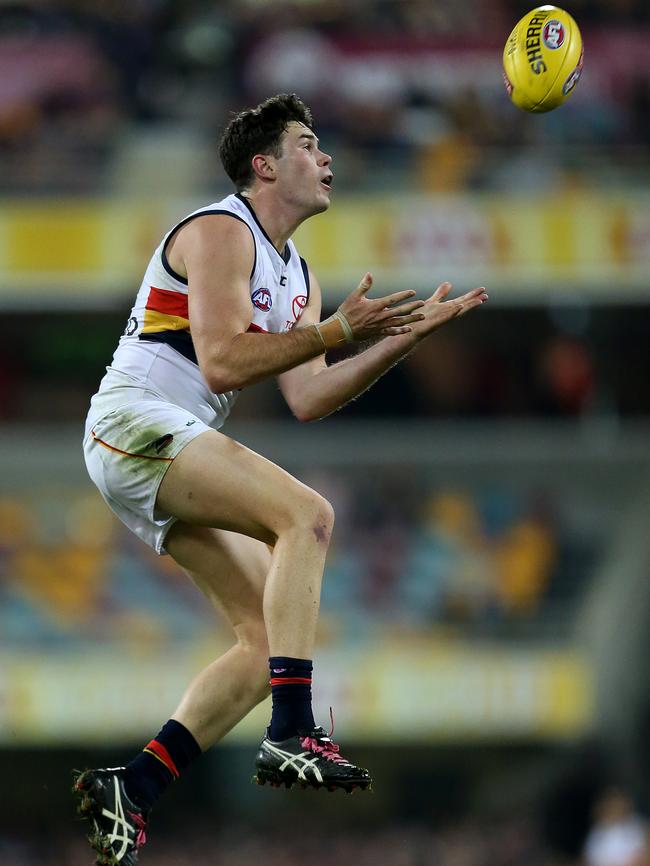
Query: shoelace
(330, 751)
(141, 825)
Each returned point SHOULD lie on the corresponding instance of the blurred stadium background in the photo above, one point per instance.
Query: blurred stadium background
(489, 571)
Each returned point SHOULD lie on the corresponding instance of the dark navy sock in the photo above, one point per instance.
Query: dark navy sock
(161, 761)
(291, 695)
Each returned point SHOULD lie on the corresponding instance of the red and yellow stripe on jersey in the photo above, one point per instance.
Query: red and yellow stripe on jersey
(166, 320)
(165, 311)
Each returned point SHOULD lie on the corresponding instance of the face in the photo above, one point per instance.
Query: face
(304, 176)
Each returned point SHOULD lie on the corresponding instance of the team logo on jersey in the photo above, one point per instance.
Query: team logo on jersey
(262, 299)
(553, 34)
(298, 305)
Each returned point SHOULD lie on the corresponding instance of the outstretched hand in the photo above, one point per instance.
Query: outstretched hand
(398, 313)
(436, 310)
(378, 317)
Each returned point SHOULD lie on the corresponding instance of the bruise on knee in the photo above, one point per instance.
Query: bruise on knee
(322, 533)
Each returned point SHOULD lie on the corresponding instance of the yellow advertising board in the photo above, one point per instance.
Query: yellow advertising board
(419, 692)
(519, 246)
(89, 253)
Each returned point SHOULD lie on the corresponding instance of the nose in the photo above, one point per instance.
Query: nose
(325, 159)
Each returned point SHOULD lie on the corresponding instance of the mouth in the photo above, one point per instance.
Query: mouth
(327, 181)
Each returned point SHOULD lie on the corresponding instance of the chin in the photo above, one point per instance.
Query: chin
(316, 206)
(323, 204)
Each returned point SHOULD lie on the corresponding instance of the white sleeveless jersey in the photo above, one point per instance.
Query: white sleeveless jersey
(156, 352)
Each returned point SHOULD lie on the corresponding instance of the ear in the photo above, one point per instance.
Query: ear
(264, 166)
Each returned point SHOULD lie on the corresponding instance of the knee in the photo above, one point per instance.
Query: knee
(324, 523)
(314, 515)
(252, 637)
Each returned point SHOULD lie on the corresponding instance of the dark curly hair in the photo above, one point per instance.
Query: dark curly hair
(259, 130)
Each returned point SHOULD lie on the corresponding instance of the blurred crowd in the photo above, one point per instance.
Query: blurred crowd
(464, 844)
(414, 558)
(616, 835)
(404, 92)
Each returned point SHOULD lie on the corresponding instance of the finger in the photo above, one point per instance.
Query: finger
(474, 293)
(463, 306)
(393, 332)
(470, 300)
(441, 292)
(402, 310)
(364, 286)
(395, 298)
(397, 321)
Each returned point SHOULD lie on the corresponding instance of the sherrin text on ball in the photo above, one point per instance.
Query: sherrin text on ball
(542, 59)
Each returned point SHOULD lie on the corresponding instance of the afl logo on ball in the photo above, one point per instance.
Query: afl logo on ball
(572, 80)
(553, 34)
(262, 300)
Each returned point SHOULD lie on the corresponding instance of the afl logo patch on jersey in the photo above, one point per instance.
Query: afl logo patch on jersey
(262, 300)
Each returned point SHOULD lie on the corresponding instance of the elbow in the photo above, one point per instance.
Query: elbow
(307, 405)
(305, 418)
(220, 380)
(307, 414)
(301, 413)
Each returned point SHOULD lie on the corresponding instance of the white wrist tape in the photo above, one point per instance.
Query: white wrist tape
(335, 331)
(347, 330)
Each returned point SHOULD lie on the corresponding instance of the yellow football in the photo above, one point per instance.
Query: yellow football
(542, 60)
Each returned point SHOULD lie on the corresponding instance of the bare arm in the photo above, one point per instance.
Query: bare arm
(216, 252)
(314, 390)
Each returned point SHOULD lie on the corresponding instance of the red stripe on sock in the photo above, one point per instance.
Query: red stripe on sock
(161, 752)
(290, 681)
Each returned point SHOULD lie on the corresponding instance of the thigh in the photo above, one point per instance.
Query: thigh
(230, 570)
(217, 482)
(129, 449)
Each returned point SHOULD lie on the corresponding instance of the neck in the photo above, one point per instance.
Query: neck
(278, 220)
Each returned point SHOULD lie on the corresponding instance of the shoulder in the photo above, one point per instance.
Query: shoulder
(228, 217)
(213, 240)
(209, 224)
(217, 232)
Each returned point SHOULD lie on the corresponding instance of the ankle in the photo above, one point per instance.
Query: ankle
(291, 693)
(160, 763)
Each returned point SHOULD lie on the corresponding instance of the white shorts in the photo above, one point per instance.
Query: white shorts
(127, 452)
